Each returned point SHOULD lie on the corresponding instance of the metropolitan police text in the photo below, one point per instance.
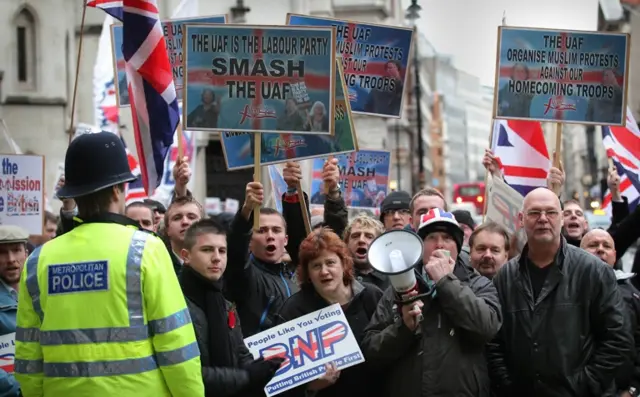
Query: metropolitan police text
(562, 69)
(254, 65)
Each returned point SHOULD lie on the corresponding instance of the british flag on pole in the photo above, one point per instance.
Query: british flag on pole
(154, 105)
(623, 147)
(523, 154)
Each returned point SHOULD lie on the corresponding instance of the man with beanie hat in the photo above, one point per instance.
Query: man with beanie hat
(394, 211)
(103, 296)
(461, 313)
(466, 222)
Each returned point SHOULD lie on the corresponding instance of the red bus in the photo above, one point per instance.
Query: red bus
(472, 192)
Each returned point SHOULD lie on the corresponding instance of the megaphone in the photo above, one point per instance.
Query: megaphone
(395, 253)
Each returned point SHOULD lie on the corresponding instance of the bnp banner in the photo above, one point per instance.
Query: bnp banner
(307, 344)
(364, 178)
(173, 29)
(375, 59)
(237, 147)
(561, 76)
(243, 78)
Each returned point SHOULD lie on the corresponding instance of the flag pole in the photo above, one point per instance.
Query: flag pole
(558, 152)
(75, 84)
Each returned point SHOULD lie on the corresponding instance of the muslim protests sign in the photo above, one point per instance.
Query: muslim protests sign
(561, 76)
(173, 31)
(22, 191)
(307, 344)
(243, 78)
(364, 178)
(237, 147)
(375, 60)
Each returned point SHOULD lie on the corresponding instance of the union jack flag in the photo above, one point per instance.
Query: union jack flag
(623, 147)
(522, 152)
(111, 7)
(154, 105)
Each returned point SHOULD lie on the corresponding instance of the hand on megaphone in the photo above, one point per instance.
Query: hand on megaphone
(440, 264)
(411, 311)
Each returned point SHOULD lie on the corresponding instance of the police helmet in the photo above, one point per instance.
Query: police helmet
(94, 162)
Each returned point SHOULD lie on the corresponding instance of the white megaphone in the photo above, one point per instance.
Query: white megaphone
(395, 253)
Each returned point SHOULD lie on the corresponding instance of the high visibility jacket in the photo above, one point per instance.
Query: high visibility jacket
(101, 313)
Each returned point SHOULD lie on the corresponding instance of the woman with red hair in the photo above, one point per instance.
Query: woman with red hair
(325, 275)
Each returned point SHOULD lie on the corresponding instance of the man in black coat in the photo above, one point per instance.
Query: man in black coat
(600, 243)
(563, 330)
(228, 368)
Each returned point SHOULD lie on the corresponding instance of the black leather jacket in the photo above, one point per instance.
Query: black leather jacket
(571, 341)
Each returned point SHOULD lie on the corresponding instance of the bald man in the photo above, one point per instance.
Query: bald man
(564, 330)
(600, 243)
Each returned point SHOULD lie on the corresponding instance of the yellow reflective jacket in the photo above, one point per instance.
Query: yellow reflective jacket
(101, 313)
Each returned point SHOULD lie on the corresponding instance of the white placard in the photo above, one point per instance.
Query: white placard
(212, 205)
(231, 205)
(7, 352)
(22, 191)
(307, 344)
(503, 205)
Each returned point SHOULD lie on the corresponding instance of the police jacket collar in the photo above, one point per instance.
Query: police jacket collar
(108, 217)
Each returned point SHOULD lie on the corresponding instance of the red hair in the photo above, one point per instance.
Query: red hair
(312, 247)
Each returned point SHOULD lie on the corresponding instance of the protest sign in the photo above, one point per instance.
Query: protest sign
(561, 76)
(503, 205)
(307, 344)
(243, 78)
(22, 191)
(231, 206)
(7, 352)
(213, 205)
(364, 178)
(375, 59)
(173, 29)
(237, 147)
(278, 186)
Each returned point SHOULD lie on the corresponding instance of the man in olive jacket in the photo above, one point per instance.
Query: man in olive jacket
(444, 355)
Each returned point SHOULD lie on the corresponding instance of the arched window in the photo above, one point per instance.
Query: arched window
(25, 25)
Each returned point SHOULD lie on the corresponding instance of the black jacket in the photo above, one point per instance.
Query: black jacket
(259, 289)
(219, 381)
(447, 358)
(629, 375)
(361, 379)
(572, 341)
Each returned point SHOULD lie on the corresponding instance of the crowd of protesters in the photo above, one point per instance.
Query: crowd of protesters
(557, 318)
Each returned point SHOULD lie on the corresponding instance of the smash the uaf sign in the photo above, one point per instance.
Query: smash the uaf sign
(307, 344)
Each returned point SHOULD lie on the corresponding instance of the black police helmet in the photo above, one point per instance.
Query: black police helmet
(94, 162)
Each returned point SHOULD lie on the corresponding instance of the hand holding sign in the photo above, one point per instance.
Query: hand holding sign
(491, 163)
(331, 176)
(292, 174)
(254, 196)
(330, 377)
(555, 179)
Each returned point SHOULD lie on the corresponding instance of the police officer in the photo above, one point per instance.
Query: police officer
(100, 312)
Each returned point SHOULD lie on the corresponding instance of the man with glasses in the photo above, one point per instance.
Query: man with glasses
(394, 211)
(563, 331)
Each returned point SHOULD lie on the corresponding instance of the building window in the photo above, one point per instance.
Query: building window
(25, 24)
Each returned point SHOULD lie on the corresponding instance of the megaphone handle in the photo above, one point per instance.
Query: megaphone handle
(419, 317)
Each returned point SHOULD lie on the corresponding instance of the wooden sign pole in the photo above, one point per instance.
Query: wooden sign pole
(257, 174)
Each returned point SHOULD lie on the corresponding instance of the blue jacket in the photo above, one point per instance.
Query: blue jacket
(9, 386)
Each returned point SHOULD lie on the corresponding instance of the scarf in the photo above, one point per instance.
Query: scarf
(207, 295)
